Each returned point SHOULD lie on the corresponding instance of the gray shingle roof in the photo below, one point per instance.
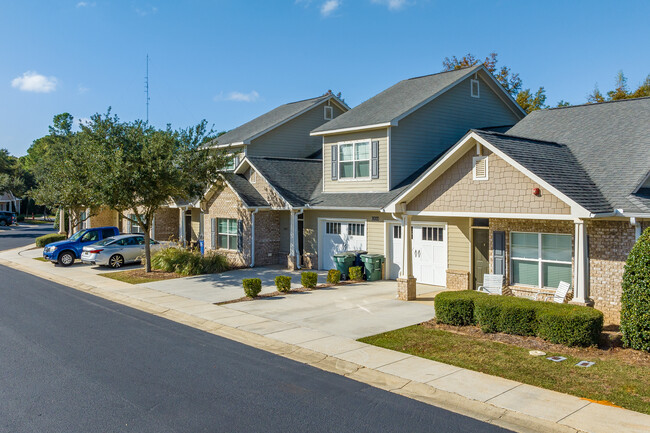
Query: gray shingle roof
(555, 164)
(267, 121)
(396, 100)
(610, 141)
(294, 178)
(245, 190)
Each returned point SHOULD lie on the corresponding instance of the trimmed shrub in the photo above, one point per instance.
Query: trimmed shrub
(356, 273)
(456, 308)
(20, 218)
(309, 279)
(252, 287)
(572, 325)
(333, 276)
(487, 313)
(41, 241)
(635, 300)
(187, 262)
(283, 283)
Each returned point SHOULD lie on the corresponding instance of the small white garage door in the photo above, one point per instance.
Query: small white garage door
(338, 236)
(428, 252)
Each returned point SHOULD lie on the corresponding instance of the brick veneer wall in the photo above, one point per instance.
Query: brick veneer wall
(105, 217)
(225, 204)
(166, 224)
(506, 190)
(610, 242)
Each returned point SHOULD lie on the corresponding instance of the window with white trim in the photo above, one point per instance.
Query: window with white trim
(354, 160)
(356, 229)
(333, 228)
(135, 227)
(475, 88)
(432, 234)
(227, 236)
(540, 260)
(397, 232)
(328, 112)
(480, 168)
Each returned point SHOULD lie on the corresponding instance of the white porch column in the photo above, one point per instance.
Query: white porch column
(181, 235)
(406, 285)
(292, 260)
(61, 221)
(580, 265)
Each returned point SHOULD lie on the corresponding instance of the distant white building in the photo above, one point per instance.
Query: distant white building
(9, 202)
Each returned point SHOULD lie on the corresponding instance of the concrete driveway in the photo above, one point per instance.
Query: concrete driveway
(352, 311)
(227, 285)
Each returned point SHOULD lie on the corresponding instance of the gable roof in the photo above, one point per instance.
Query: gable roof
(396, 102)
(246, 192)
(270, 120)
(610, 141)
(555, 164)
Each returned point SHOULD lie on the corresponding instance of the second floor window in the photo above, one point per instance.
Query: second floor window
(354, 160)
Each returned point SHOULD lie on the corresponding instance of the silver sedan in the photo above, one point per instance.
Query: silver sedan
(117, 250)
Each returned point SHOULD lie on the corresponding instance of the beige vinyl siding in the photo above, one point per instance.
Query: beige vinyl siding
(196, 222)
(458, 234)
(429, 131)
(292, 139)
(349, 185)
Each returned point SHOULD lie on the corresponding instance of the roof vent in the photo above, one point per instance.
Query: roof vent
(480, 171)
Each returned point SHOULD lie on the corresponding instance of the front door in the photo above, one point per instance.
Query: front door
(188, 226)
(481, 240)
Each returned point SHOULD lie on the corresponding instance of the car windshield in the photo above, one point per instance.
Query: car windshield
(77, 235)
(106, 241)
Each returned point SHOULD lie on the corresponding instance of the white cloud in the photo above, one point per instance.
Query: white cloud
(251, 96)
(392, 5)
(148, 10)
(32, 81)
(329, 7)
(85, 4)
(81, 89)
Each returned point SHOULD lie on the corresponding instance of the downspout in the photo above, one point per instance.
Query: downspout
(297, 241)
(253, 237)
(637, 228)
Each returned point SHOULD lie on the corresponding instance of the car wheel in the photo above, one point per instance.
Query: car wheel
(3, 223)
(66, 258)
(116, 261)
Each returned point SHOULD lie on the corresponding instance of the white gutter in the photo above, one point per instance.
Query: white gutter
(253, 237)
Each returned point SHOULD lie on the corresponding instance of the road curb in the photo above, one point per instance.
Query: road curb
(424, 393)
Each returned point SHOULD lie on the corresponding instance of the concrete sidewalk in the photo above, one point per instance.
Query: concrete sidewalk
(491, 399)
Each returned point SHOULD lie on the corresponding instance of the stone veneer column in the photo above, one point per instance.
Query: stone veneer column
(406, 286)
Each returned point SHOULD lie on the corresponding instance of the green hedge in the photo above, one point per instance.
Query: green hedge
(356, 273)
(571, 325)
(283, 283)
(333, 276)
(41, 241)
(456, 308)
(252, 286)
(635, 300)
(309, 279)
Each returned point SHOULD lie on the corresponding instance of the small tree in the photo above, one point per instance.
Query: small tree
(635, 301)
(142, 167)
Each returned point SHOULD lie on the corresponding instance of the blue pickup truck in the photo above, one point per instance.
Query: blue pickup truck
(67, 251)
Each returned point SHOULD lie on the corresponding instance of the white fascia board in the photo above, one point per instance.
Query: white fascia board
(568, 217)
(353, 129)
(236, 193)
(235, 144)
(243, 166)
(259, 173)
(347, 209)
(518, 109)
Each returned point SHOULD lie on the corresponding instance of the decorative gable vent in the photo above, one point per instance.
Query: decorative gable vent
(475, 88)
(329, 112)
(480, 171)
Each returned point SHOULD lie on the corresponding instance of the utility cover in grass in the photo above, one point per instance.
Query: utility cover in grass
(585, 364)
(556, 358)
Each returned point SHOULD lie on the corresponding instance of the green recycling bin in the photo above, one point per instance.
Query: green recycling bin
(343, 261)
(373, 264)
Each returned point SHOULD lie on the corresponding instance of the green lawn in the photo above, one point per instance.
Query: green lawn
(138, 276)
(41, 259)
(622, 382)
(36, 221)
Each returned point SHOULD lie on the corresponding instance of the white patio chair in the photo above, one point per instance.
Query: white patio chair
(559, 296)
(492, 284)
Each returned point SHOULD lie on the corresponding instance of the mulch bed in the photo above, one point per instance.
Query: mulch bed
(155, 274)
(610, 346)
(276, 293)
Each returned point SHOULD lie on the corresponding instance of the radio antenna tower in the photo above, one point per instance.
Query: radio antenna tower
(146, 87)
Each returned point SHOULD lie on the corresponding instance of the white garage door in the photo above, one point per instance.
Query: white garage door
(339, 236)
(428, 252)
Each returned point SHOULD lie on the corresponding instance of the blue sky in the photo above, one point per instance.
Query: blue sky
(228, 61)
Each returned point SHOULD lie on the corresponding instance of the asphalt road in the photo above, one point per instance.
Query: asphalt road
(71, 362)
(24, 234)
